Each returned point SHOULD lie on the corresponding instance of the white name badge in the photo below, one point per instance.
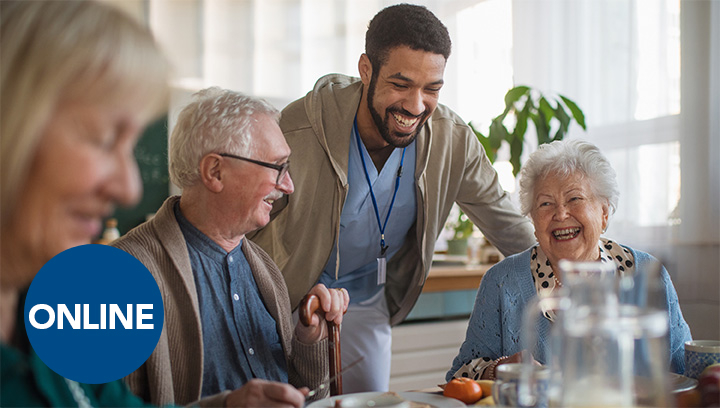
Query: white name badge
(382, 263)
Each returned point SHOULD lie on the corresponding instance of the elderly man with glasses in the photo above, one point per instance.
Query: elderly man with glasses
(228, 338)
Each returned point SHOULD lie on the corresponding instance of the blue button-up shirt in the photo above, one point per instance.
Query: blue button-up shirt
(240, 338)
(359, 241)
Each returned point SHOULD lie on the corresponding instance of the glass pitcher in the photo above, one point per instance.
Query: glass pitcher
(605, 347)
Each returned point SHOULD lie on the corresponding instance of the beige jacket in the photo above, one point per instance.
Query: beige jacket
(451, 166)
(173, 373)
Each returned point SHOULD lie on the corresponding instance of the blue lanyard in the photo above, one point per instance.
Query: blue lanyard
(383, 248)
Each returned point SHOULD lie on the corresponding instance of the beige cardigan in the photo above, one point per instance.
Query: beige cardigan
(173, 373)
(451, 166)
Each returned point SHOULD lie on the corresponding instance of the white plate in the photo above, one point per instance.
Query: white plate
(424, 398)
(681, 383)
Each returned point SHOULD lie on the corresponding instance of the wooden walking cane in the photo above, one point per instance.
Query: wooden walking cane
(307, 308)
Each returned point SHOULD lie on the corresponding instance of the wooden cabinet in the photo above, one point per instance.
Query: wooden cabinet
(442, 278)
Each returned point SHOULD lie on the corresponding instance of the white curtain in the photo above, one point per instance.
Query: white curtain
(654, 111)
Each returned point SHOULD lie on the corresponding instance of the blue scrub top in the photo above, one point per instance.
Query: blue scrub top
(359, 242)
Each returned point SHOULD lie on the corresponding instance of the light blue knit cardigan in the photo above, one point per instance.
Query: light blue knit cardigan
(496, 320)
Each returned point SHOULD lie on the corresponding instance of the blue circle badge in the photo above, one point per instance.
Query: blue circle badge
(94, 314)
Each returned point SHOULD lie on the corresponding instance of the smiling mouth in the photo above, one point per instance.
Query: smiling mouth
(405, 122)
(566, 233)
(271, 198)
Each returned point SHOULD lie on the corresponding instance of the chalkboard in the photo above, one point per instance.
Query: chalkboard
(151, 153)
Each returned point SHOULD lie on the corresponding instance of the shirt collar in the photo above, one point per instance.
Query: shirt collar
(195, 238)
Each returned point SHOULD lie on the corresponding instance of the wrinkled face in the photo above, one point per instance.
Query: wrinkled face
(83, 166)
(405, 93)
(253, 187)
(568, 218)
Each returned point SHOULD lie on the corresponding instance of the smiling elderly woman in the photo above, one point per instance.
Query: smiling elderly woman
(569, 190)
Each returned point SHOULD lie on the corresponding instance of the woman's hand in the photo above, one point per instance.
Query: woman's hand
(489, 373)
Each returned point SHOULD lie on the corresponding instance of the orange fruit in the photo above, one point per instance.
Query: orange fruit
(688, 399)
(463, 389)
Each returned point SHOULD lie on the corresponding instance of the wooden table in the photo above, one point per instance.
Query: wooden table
(444, 277)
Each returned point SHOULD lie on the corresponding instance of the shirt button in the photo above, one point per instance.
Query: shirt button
(236, 297)
(251, 351)
(230, 258)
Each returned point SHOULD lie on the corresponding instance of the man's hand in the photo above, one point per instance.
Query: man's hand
(262, 393)
(333, 304)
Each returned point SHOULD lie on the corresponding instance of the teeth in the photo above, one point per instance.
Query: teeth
(405, 122)
(567, 233)
(270, 201)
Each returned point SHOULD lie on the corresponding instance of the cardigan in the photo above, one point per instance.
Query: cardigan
(494, 329)
(173, 373)
(451, 167)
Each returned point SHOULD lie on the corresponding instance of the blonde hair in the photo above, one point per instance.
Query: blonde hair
(215, 121)
(57, 51)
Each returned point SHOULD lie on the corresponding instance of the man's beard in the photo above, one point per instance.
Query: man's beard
(395, 139)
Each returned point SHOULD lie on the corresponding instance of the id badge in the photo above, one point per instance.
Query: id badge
(382, 263)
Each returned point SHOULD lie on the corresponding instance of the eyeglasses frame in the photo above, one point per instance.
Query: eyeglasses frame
(281, 168)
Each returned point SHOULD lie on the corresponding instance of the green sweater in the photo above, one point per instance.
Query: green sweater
(25, 381)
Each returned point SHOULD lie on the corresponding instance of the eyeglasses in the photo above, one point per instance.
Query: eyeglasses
(281, 168)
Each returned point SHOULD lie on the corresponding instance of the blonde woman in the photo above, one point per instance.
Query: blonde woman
(79, 82)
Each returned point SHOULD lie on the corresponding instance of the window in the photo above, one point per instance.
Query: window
(620, 61)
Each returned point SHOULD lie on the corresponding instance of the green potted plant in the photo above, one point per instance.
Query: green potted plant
(550, 114)
(462, 229)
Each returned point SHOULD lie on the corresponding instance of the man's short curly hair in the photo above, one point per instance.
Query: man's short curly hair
(405, 25)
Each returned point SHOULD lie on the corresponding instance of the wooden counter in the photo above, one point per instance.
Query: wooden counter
(444, 277)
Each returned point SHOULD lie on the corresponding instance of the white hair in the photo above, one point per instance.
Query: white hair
(216, 121)
(565, 158)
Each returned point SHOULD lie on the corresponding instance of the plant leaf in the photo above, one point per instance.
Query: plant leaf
(521, 125)
(514, 95)
(576, 112)
(564, 120)
(540, 127)
(490, 152)
(516, 148)
(547, 111)
(498, 133)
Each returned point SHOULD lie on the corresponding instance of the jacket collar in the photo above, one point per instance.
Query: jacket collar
(345, 92)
